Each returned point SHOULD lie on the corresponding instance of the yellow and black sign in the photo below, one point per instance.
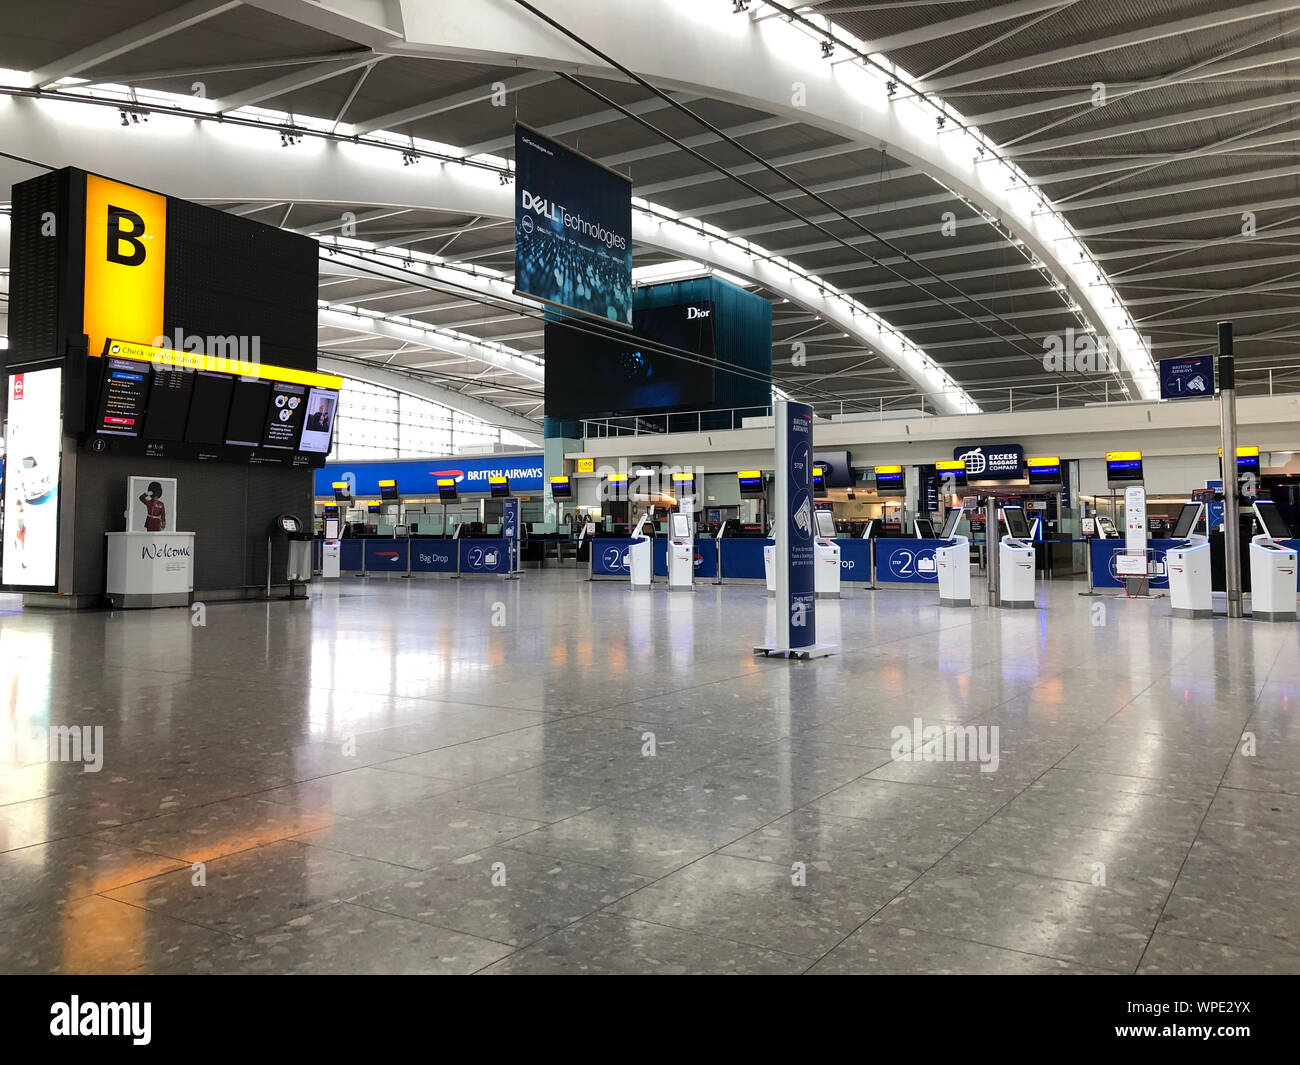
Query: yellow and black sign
(197, 360)
(586, 466)
(125, 262)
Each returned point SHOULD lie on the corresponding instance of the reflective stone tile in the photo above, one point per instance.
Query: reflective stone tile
(359, 791)
(607, 944)
(350, 940)
(1170, 954)
(505, 895)
(756, 903)
(256, 889)
(50, 874)
(1105, 927)
(881, 949)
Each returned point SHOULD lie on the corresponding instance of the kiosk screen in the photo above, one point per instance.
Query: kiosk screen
(1185, 526)
(826, 525)
(1014, 519)
(331, 528)
(924, 528)
(1271, 518)
(680, 526)
(1107, 527)
(950, 522)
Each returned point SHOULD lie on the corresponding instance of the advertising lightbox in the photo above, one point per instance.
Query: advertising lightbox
(33, 440)
(573, 229)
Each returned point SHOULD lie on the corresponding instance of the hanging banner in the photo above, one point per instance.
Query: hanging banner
(573, 230)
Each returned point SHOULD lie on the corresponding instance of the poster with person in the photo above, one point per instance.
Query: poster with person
(151, 504)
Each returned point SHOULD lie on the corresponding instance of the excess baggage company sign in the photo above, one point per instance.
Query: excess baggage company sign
(991, 462)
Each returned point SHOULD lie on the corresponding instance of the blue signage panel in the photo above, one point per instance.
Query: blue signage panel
(433, 556)
(484, 556)
(991, 462)
(900, 561)
(573, 229)
(855, 560)
(1187, 378)
(706, 559)
(801, 606)
(610, 558)
(385, 556)
(742, 558)
(419, 477)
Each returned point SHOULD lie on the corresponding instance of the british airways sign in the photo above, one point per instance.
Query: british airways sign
(419, 477)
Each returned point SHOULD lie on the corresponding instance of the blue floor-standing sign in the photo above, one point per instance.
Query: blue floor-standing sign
(796, 597)
(510, 531)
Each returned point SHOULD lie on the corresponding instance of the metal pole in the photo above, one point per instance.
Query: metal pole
(1228, 427)
(992, 556)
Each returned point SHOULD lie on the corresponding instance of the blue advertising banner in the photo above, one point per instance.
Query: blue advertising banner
(900, 561)
(433, 556)
(991, 462)
(419, 477)
(799, 610)
(385, 556)
(484, 556)
(573, 229)
(1187, 378)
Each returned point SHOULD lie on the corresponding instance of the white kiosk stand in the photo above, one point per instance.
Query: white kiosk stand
(150, 569)
(1272, 567)
(641, 556)
(330, 551)
(681, 553)
(1188, 566)
(1015, 561)
(827, 556)
(953, 562)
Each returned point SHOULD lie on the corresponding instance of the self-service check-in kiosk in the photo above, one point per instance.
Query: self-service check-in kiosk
(1272, 567)
(330, 550)
(1015, 560)
(953, 562)
(641, 555)
(827, 557)
(681, 552)
(1188, 566)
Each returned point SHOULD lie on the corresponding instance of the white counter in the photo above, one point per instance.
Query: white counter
(150, 569)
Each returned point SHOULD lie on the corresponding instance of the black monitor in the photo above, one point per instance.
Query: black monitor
(447, 490)
(1013, 518)
(388, 492)
(499, 487)
(1185, 526)
(1271, 519)
(751, 484)
(924, 528)
(950, 522)
(561, 488)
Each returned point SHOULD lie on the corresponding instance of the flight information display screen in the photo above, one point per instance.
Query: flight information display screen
(247, 413)
(209, 407)
(169, 403)
(123, 398)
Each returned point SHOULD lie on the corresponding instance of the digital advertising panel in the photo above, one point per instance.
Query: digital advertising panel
(573, 230)
(33, 441)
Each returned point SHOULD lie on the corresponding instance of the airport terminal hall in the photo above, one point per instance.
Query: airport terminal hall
(650, 487)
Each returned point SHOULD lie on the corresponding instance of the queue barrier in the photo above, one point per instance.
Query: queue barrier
(609, 557)
(488, 556)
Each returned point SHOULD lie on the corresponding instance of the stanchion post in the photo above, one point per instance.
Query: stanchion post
(1228, 462)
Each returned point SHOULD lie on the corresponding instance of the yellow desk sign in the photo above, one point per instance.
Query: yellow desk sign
(1048, 460)
(586, 465)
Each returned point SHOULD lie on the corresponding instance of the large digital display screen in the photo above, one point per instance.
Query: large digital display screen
(33, 441)
(1044, 471)
(124, 397)
(889, 480)
(573, 229)
(667, 363)
(247, 413)
(284, 416)
(322, 405)
(751, 484)
(209, 407)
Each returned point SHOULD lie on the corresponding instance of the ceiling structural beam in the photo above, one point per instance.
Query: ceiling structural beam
(291, 82)
(1085, 98)
(1220, 17)
(1202, 185)
(1154, 122)
(154, 29)
(1192, 216)
(762, 125)
(988, 16)
(131, 77)
(577, 125)
(319, 228)
(705, 177)
(466, 98)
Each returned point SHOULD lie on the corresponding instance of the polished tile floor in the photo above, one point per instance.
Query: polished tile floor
(556, 776)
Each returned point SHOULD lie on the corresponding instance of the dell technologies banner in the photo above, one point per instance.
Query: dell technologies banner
(573, 230)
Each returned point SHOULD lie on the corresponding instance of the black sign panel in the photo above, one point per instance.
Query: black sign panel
(992, 462)
(124, 398)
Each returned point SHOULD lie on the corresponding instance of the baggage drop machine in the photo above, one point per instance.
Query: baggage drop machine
(953, 561)
(1015, 561)
(1188, 566)
(641, 556)
(827, 557)
(1272, 567)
